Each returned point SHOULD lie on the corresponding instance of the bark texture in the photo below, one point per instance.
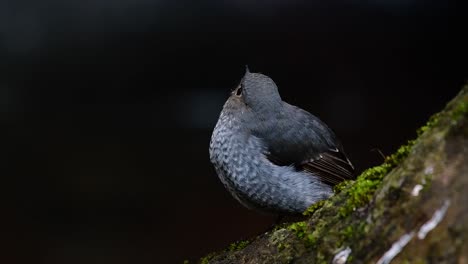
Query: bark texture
(411, 209)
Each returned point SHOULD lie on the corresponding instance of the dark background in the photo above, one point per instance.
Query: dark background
(107, 109)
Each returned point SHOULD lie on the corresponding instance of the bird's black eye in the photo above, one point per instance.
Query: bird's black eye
(239, 91)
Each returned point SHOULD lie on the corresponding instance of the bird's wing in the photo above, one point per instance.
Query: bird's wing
(307, 143)
(332, 167)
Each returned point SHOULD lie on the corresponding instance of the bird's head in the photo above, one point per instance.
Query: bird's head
(257, 92)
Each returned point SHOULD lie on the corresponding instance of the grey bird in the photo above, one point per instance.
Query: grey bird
(273, 156)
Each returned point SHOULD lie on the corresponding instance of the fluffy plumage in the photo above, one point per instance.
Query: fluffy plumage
(273, 156)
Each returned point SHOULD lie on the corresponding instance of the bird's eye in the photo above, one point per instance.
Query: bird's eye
(239, 91)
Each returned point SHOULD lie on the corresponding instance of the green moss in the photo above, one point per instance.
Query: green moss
(311, 210)
(279, 238)
(238, 245)
(353, 195)
(186, 262)
(460, 111)
(299, 228)
(348, 231)
(355, 231)
(310, 239)
(397, 157)
(301, 231)
(361, 191)
(341, 186)
(282, 246)
(434, 119)
(206, 259)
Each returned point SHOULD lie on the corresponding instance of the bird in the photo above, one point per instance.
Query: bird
(273, 156)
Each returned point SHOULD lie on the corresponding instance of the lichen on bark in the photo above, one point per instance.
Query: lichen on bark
(411, 209)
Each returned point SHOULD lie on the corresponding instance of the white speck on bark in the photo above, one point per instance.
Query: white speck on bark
(416, 190)
(428, 170)
(342, 256)
(434, 221)
(396, 248)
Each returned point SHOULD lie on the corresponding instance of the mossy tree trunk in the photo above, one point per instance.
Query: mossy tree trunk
(411, 209)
